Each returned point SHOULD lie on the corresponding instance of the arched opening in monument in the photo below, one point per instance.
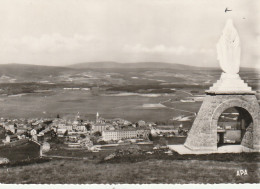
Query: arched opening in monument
(232, 126)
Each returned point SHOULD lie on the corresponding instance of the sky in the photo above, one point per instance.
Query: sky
(63, 32)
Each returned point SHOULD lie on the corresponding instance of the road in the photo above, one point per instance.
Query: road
(184, 92)
(176, 109)
(63, 157)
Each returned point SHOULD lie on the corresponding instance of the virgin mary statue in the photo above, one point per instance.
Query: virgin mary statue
(228, 49)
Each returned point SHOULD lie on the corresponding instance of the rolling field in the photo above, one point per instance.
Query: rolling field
(143, 78)
(68, 103)
(134, 168)
(169, 170)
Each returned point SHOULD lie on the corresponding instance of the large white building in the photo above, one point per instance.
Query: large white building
(125, 134)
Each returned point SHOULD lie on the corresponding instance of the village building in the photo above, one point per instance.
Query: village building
(141, 123)
(11, 138)
(100, 127)
(9, 127)
(21, 130)
(119, 121)
(99, 119)
(80, 128)
(33, 133)
(63, 126)
(125, 134)
(61, 132)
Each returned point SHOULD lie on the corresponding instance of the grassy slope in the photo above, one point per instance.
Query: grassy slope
(149, 171)
(27, 72)
(20, 150)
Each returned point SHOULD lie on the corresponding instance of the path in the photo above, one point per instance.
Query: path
(184, 92)
(63, 157)
(165, 101)
(193, 113)
(50, 156)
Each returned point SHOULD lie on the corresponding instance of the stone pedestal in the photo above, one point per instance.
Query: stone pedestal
(203, 134)
(230, 84)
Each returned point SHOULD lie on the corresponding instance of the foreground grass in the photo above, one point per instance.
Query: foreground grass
(148, 171)
(20, 150)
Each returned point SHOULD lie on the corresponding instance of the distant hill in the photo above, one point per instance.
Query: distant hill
(146, 65)
(18, 73)
(137, 65)
(27, 72)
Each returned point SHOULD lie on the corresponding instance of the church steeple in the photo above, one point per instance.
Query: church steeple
(97, 118)
(77, 117)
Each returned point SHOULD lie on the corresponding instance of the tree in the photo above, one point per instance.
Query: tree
(53, 134)
(94, 139)
(88, 127)
(150, 137)
(97, 133)
(162, 142)
(82, 136)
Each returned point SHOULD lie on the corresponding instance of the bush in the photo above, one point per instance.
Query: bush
(102, 142)
(25, 162)
(97, 134)
(82, 136)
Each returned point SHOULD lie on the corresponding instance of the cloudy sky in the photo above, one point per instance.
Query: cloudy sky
(62, 32)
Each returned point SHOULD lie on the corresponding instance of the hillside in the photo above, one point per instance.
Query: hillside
(136, 65)
(29, 73)
(118, 74)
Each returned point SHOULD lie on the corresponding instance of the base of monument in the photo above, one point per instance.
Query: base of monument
(230, 84)
(203, 134)
(181, 149)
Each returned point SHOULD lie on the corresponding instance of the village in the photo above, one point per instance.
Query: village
(83, 134)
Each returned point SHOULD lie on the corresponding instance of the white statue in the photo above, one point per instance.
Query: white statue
(228, 49)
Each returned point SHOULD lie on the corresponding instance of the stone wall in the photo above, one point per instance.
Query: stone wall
(203, 134)
(247, 140)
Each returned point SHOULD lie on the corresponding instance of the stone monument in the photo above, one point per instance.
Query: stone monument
(229, 91)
